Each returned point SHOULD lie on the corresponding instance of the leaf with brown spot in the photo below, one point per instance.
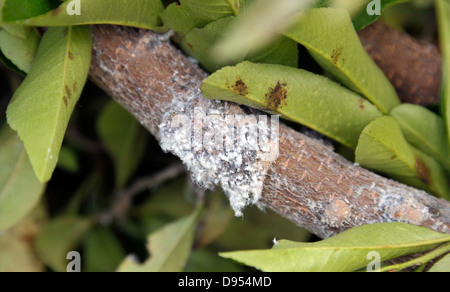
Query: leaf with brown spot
(297, 95)
(69, 94)
(240, 88)
(336, 54)
(424, 130)
(383, 148)
(276, 96)
(423, 171)
(330, 37)
(44, 101)
(361, 103)
(66, 101)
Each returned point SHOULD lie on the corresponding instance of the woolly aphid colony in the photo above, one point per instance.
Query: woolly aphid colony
(228, 150)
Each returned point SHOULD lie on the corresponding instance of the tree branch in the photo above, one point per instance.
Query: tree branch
(309, 183)
(124, 198)
(413, 66)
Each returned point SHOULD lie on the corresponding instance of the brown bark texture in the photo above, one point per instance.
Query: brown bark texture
(413, 66)
(308, 183)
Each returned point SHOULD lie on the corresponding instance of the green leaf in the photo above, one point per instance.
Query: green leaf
(102, 251)
(68, 160)
(88, 188)
(169, 247)
(20, 51)
(282, 51)
(216, 220)
(443, 265)
(5, 61)
(23, 9)
(16, 244)
(383, 148)
(18, 256)
(59, 237)
(424, 129)
(329, 36)
(24, 38)
(348, 251)
(137, 13)
(432, 173)
(212, 9)
(189, 14)
(199, 44)
(419, 261)
(181, 19)
(359, 11)
(18, 31)
(124, 138)
(41, 107)
(20, 190)
(258, 27)
(443, 17)
(298, 95)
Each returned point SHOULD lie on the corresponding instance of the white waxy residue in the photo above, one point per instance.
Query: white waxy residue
(219, 149)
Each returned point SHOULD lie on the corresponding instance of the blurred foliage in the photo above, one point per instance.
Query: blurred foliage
(17, 251)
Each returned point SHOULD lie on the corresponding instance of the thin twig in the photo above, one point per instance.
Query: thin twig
(124, 198)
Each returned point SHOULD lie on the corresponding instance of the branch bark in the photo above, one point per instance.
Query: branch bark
(413, 66)
(309, 183)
